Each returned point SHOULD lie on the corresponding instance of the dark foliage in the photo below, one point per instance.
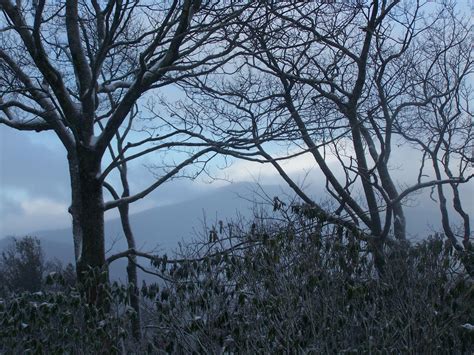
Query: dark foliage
(22, 266)
(62, 322)
(301, 291)
(284, 287)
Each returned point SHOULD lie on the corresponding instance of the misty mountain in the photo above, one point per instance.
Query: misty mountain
(160, 229)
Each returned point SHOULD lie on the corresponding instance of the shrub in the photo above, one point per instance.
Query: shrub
(61, 322)
(292, 288)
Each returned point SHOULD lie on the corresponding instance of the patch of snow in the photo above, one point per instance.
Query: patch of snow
(94, 140)
(468, 326)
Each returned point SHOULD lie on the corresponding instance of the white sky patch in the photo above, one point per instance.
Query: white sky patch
(37, 214)
(13, 193)
(43, 206)
(248, 171)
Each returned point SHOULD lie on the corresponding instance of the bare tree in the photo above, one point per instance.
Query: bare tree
(441, 128)
(71, 66)
(336, 81)
(124, 209)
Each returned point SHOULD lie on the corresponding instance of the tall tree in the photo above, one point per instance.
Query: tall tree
(72, 66)
(342, 83)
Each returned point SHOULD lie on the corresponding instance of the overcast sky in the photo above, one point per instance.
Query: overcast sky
(34, 184)
(35, 193)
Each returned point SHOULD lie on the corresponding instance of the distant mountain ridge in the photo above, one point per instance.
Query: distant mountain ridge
(165, 226)
(160, 229)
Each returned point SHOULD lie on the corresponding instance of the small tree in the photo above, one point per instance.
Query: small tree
(22, 266)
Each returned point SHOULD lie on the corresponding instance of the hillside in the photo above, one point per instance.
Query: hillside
(160, 229)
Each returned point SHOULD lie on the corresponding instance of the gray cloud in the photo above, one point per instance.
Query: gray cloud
(34, 182)
(34, 185)
(35, 168)
(9, 206)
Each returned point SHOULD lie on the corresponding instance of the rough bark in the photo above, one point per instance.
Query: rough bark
(89, 212)
(74, 208)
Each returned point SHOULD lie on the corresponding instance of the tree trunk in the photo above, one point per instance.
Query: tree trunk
(88, 219)
(131, 271)
(74, 208)
(399, 224)
(363, 171)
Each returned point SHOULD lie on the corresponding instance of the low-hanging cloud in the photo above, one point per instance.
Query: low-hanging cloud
(34, 183)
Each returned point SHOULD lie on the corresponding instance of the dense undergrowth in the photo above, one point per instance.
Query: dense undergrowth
(291, 287)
